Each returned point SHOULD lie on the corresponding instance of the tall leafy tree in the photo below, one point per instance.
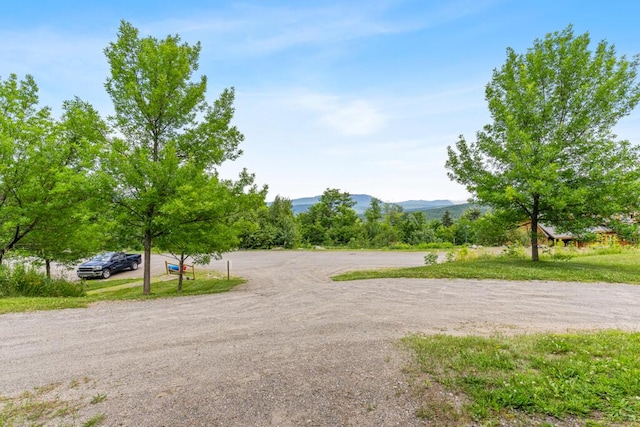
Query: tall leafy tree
(165, 127)
(332, 220)
(75, 224)
(446, 219)
(45, 169)
(373, 219)
(550, 153)
(283, 221)
(201, 222)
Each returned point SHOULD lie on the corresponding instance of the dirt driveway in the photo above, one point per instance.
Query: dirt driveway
(290, 347)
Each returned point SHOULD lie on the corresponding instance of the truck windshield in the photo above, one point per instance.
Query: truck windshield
(102, 257)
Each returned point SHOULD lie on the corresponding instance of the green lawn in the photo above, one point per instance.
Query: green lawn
(612, 268)
(544, 379)
(121, 289)
(588, 379)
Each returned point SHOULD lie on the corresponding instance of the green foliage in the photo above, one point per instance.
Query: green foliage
(589, 376)
(550, 153)
(455, 211)
(270, 226)
(127, 289)
(331, 221)
(446, 219)
(616, 268)
(46, 172)
(163, 168)
(513, 251)
(442, 245)
(431, 258)
(281, 218)
(20, 281)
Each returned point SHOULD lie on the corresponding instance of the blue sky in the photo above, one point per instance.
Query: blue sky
(364, 96)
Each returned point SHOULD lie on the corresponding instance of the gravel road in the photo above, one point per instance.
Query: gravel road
(288, 348)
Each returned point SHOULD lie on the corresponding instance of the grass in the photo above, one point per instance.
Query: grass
(593, 378)
(622, 267)
(44, 406)
(122, 289)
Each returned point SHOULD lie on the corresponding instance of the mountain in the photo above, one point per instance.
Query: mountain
(455, 211)
(421, 205)
(364, 200)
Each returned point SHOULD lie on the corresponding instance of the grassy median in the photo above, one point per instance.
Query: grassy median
(595, 266)
(120, 289)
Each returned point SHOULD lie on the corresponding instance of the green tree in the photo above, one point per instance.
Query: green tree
(283, 221)
(167, 130)
(77, 224)
(550, 155)
(373, 220)
(416, 229)
(46, 172)
(202, 220)
(255, 230)
(447, 221)
(332, 220)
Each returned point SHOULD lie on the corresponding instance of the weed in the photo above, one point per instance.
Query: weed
(98, 398)
(44, 406)
(94, 421)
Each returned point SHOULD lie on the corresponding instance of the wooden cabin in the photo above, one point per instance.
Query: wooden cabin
(549, 236)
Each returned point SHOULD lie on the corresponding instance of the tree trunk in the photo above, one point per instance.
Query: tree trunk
(180, 267)
(534, 229)
(47, 266)
(146, 281)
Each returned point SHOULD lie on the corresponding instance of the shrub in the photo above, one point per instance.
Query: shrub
(431, 258)
(465, 254)
(28, 282)
(513, 250)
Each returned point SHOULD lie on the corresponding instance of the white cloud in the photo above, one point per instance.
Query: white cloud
(350, 117)
(355, 118)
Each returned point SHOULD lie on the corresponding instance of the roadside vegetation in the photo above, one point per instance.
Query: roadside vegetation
(610, 265)
(45, 406)
(586, 379)
(90, 291)
(590, 379)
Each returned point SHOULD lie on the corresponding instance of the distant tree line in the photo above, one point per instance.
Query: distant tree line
(333, 222)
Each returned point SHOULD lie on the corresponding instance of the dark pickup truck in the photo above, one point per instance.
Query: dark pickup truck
(104, 264)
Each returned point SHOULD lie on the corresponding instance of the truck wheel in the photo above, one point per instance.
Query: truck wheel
(134, 265)
(106, 273)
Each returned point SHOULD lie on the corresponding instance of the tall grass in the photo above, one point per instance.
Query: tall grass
(21, 281)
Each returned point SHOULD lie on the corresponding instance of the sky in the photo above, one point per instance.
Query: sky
(362, 96)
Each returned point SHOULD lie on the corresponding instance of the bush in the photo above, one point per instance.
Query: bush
(513, 250)
(27, 282)
(431, 258)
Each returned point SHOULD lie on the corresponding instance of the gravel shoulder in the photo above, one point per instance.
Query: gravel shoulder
(288, 348)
